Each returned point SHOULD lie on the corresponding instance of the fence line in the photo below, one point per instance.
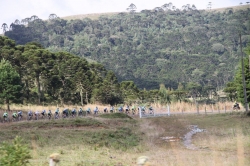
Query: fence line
(198, 111)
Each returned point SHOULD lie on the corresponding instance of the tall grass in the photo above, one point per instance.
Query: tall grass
(159, 108)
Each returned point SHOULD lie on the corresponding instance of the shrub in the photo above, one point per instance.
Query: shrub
(15, 154)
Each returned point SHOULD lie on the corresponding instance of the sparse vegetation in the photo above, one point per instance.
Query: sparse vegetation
(104, 141)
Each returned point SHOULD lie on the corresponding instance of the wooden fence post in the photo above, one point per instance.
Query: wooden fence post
(140, 112)
(168, 110)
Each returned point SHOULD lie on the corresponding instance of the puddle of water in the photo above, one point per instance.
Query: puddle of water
(188, 137)
(171, 139)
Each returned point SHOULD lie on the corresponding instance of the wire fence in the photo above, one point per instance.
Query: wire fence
(168, 112)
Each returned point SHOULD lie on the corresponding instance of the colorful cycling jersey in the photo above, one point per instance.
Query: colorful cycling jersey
(57, 111)
(5, 114)
(14, 114)
(19, 113)
(30, 113)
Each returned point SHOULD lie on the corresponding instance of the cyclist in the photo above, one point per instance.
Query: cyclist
(96, 110)
(19, 114)
(143, 110)
(14, 116)
(88, 111)
(43, 113)
(111, 109)
(49, 114)
(236, 106)
(80, 112)
(120, 109)
(30, 114)
(66, 113)
(133, 110)
(73, 112)
(5, 115)
(105, 110)
(151, 111)
(57, 113)
(37, 115)
(127, 109)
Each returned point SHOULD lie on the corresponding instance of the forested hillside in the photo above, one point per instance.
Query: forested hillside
(163, 45)
(58, 78)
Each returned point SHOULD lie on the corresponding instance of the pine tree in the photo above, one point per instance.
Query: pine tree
(10, 83)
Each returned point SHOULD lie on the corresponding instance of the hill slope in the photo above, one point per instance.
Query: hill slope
(150, 47)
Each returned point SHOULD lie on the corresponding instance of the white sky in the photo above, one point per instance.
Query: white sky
(10, 10)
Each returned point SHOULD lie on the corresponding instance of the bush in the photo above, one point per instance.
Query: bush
(15, 154)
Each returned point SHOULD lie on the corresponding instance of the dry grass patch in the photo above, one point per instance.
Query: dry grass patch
(122, 140)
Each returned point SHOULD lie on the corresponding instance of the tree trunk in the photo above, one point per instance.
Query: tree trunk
(38, 89)
(8, 104)
(81, 97)
(87, 98)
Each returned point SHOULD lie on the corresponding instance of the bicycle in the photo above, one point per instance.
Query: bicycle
(30, 116)
(56, 115)
(19, 116)
(73, 113)
(37, 116)
(80, 113)
(49, 115)
(5, 119)
(236, 107)
(44, 115)
(14, 118)
(151, 111)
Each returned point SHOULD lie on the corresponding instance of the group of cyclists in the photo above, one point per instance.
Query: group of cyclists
(15, 116)
(133, 110)
(66, 113)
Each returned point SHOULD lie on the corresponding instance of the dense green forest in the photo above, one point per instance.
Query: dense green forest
(163, 45)
(31, 74)
(54, 77)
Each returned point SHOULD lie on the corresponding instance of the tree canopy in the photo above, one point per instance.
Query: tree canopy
(163, 45)
(10, 83)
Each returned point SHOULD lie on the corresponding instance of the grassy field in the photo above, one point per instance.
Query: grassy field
(116, 139)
